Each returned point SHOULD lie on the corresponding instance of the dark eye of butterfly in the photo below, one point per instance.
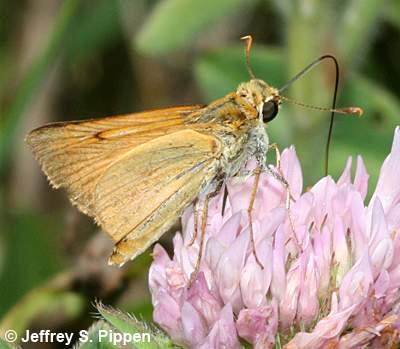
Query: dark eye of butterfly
(270, 109)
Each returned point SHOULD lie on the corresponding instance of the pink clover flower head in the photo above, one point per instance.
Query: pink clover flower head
(330, 265)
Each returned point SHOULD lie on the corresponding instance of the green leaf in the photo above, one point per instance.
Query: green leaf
(129, 324)
(139, 306)
(175, 23)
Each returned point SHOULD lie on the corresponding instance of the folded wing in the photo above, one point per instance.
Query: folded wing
(75, 154)
(140, 197)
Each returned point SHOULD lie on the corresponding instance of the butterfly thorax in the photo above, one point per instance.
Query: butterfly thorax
(236, 121)
(252, 142)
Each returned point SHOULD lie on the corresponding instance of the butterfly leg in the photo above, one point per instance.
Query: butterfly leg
(204, 216)
(196, 223)
(202, 237)
(274, 146)
(224, 199)
(242, 176)
(257, 173)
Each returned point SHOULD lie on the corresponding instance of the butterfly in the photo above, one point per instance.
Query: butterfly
(135, 174)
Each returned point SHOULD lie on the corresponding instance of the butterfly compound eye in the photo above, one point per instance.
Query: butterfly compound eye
(270, 110)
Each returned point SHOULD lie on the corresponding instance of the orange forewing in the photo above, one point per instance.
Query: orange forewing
(75, 154)
(133, 173)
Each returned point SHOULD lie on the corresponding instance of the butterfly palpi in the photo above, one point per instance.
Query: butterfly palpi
(135, 174)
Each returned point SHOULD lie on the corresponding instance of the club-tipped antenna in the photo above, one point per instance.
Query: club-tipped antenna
(248, 40)
(347, 111)
(333, 109)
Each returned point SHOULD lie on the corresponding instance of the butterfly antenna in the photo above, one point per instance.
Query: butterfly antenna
(349, 110)
(248, 40)
(333, 110)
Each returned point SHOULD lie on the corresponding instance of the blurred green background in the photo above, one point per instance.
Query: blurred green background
(71, 59)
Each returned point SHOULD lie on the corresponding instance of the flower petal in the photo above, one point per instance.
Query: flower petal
(278, 282)
(204, 301)
(223, 334)
(229, 269)
(356, 284)
(291, 170)
(325, 332)
(258, 326)
(345, 178)
(361, 178)
(167, 314)
(388, 186)
(308, 303)
(194, 329)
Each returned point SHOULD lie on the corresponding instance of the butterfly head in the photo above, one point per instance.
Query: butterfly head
(263, 97)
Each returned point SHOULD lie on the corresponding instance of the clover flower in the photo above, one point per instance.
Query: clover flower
(330, 279)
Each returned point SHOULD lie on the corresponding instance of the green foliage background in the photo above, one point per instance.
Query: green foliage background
(74, 59)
